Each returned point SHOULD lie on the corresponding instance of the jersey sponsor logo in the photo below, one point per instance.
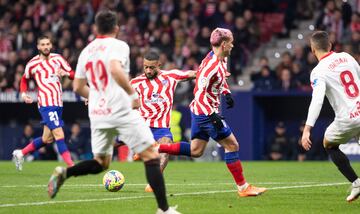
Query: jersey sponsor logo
(101, 112)
(53, 78)
(155, 98)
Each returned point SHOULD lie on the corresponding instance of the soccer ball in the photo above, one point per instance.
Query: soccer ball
(113, 180)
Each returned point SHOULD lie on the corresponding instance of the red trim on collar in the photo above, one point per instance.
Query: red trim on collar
(326, 55)
(102, 37)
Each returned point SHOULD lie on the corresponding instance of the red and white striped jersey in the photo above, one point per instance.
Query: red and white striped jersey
(157, 95)
(210, 84)
(49, 85)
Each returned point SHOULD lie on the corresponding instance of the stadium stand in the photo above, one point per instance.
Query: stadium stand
(270, 53)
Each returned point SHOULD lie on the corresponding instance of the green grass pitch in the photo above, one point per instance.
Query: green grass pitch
(309, 187)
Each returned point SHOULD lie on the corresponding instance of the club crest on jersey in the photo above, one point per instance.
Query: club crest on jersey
(57, 66)
(164, 82)
(203, 82)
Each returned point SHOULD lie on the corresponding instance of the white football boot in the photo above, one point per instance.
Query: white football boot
(18, 158)
(171, 210)
(56, 181)
(355, 191)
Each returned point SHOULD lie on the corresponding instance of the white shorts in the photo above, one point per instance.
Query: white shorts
(132, 130)
(339, 134)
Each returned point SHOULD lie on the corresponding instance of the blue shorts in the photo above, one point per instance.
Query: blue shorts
(202, 128)
(51, 116)
(161, 132)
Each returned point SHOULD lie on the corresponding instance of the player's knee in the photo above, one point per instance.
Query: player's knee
(196, 153)
(331, 147)
(103, 162)
(149, 154)
(327, 145)
(232, 147)
(164, 140)
(48, 140)
(105, 166)
(59, 134)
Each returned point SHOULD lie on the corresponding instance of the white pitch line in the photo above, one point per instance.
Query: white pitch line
(150, 196)
(143, 184)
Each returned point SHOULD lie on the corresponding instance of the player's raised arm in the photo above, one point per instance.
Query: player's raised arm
(181, 76)
(191, 74)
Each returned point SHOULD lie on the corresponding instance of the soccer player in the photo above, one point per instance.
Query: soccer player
(104, 64)
(205, 118)
(156, 90)
(46, 68)
(337, 76)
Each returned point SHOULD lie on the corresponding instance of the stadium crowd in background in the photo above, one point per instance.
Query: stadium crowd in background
(180, 30)
(341, 19)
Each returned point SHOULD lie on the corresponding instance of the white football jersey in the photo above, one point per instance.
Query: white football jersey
(338, 77)
(108, 101)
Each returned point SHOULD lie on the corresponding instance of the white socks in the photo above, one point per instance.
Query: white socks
(244, 186)
(356, 183)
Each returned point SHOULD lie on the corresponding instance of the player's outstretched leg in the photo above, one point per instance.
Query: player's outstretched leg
(343, 164)
(18, 155)
(182, 148)
(234, 165)
(56, 181)
(156, 180)
(164, 159)
(60, 174)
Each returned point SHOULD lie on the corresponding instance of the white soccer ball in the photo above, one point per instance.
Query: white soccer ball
(113, 180)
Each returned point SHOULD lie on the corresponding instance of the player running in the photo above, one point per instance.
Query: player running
(337, 76)
(46, 68)
(104, 65)
(156, 90)
(205, 118)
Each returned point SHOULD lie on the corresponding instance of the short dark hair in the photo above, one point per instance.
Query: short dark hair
(152, 56)
(105, 21)
(320, 41)
(42, 37)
